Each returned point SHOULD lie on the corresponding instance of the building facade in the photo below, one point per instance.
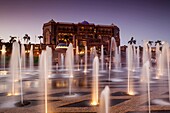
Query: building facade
(80, 34)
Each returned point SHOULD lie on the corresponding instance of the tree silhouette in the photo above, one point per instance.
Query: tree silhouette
(40, 37)
(150, 42)
(1, 40)
(26, 38)
(12, 39)
(132, 41)
(158, 42)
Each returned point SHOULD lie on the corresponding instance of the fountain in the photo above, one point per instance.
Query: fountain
(146, 73)
(93, 53)
(134, 55)
(116, 57)
(95, 81)
(102, 58)
(23, 56)
(138, 57)
(159, 66)
(43, 74)
(69, 65)
(14, 68)
(130, 69)
(165, 56)
(31, 58)
(62, 61)
(162, 60)
(117, 62)
(77, 58)
(157, 52)
(85, 64)
(21, 87)
(158, 61)
(162, 70)
(168, 66)
(146, 57)
(145, 52)
(150, 52)
(102, 61)
(3, 57)
(119, 58)
(165, 62)
(110, 60)
(49, 58)
(104, 101)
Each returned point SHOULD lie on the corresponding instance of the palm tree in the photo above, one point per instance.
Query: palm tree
(40, 37)
(150, 42)
(132, 41)
(159, 42)
(26, 38)
(12, 39)
(1, 40)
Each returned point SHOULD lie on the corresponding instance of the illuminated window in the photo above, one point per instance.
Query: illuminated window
(95, 30)
(36, 48)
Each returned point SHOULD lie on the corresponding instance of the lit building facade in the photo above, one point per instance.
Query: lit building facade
(80, 34)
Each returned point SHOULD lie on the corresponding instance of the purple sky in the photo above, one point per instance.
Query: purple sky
(142, 19)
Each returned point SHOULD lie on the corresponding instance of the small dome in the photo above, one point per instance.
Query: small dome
(62, 46)
(85, 22)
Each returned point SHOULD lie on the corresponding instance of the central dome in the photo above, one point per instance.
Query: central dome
(85, 22)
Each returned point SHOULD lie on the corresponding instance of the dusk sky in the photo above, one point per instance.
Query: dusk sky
(142, 19)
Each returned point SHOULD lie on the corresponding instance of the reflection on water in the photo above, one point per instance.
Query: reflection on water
(64, 83)
(59, 79)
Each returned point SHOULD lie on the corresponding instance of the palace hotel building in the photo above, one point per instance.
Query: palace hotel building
(80, 34)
